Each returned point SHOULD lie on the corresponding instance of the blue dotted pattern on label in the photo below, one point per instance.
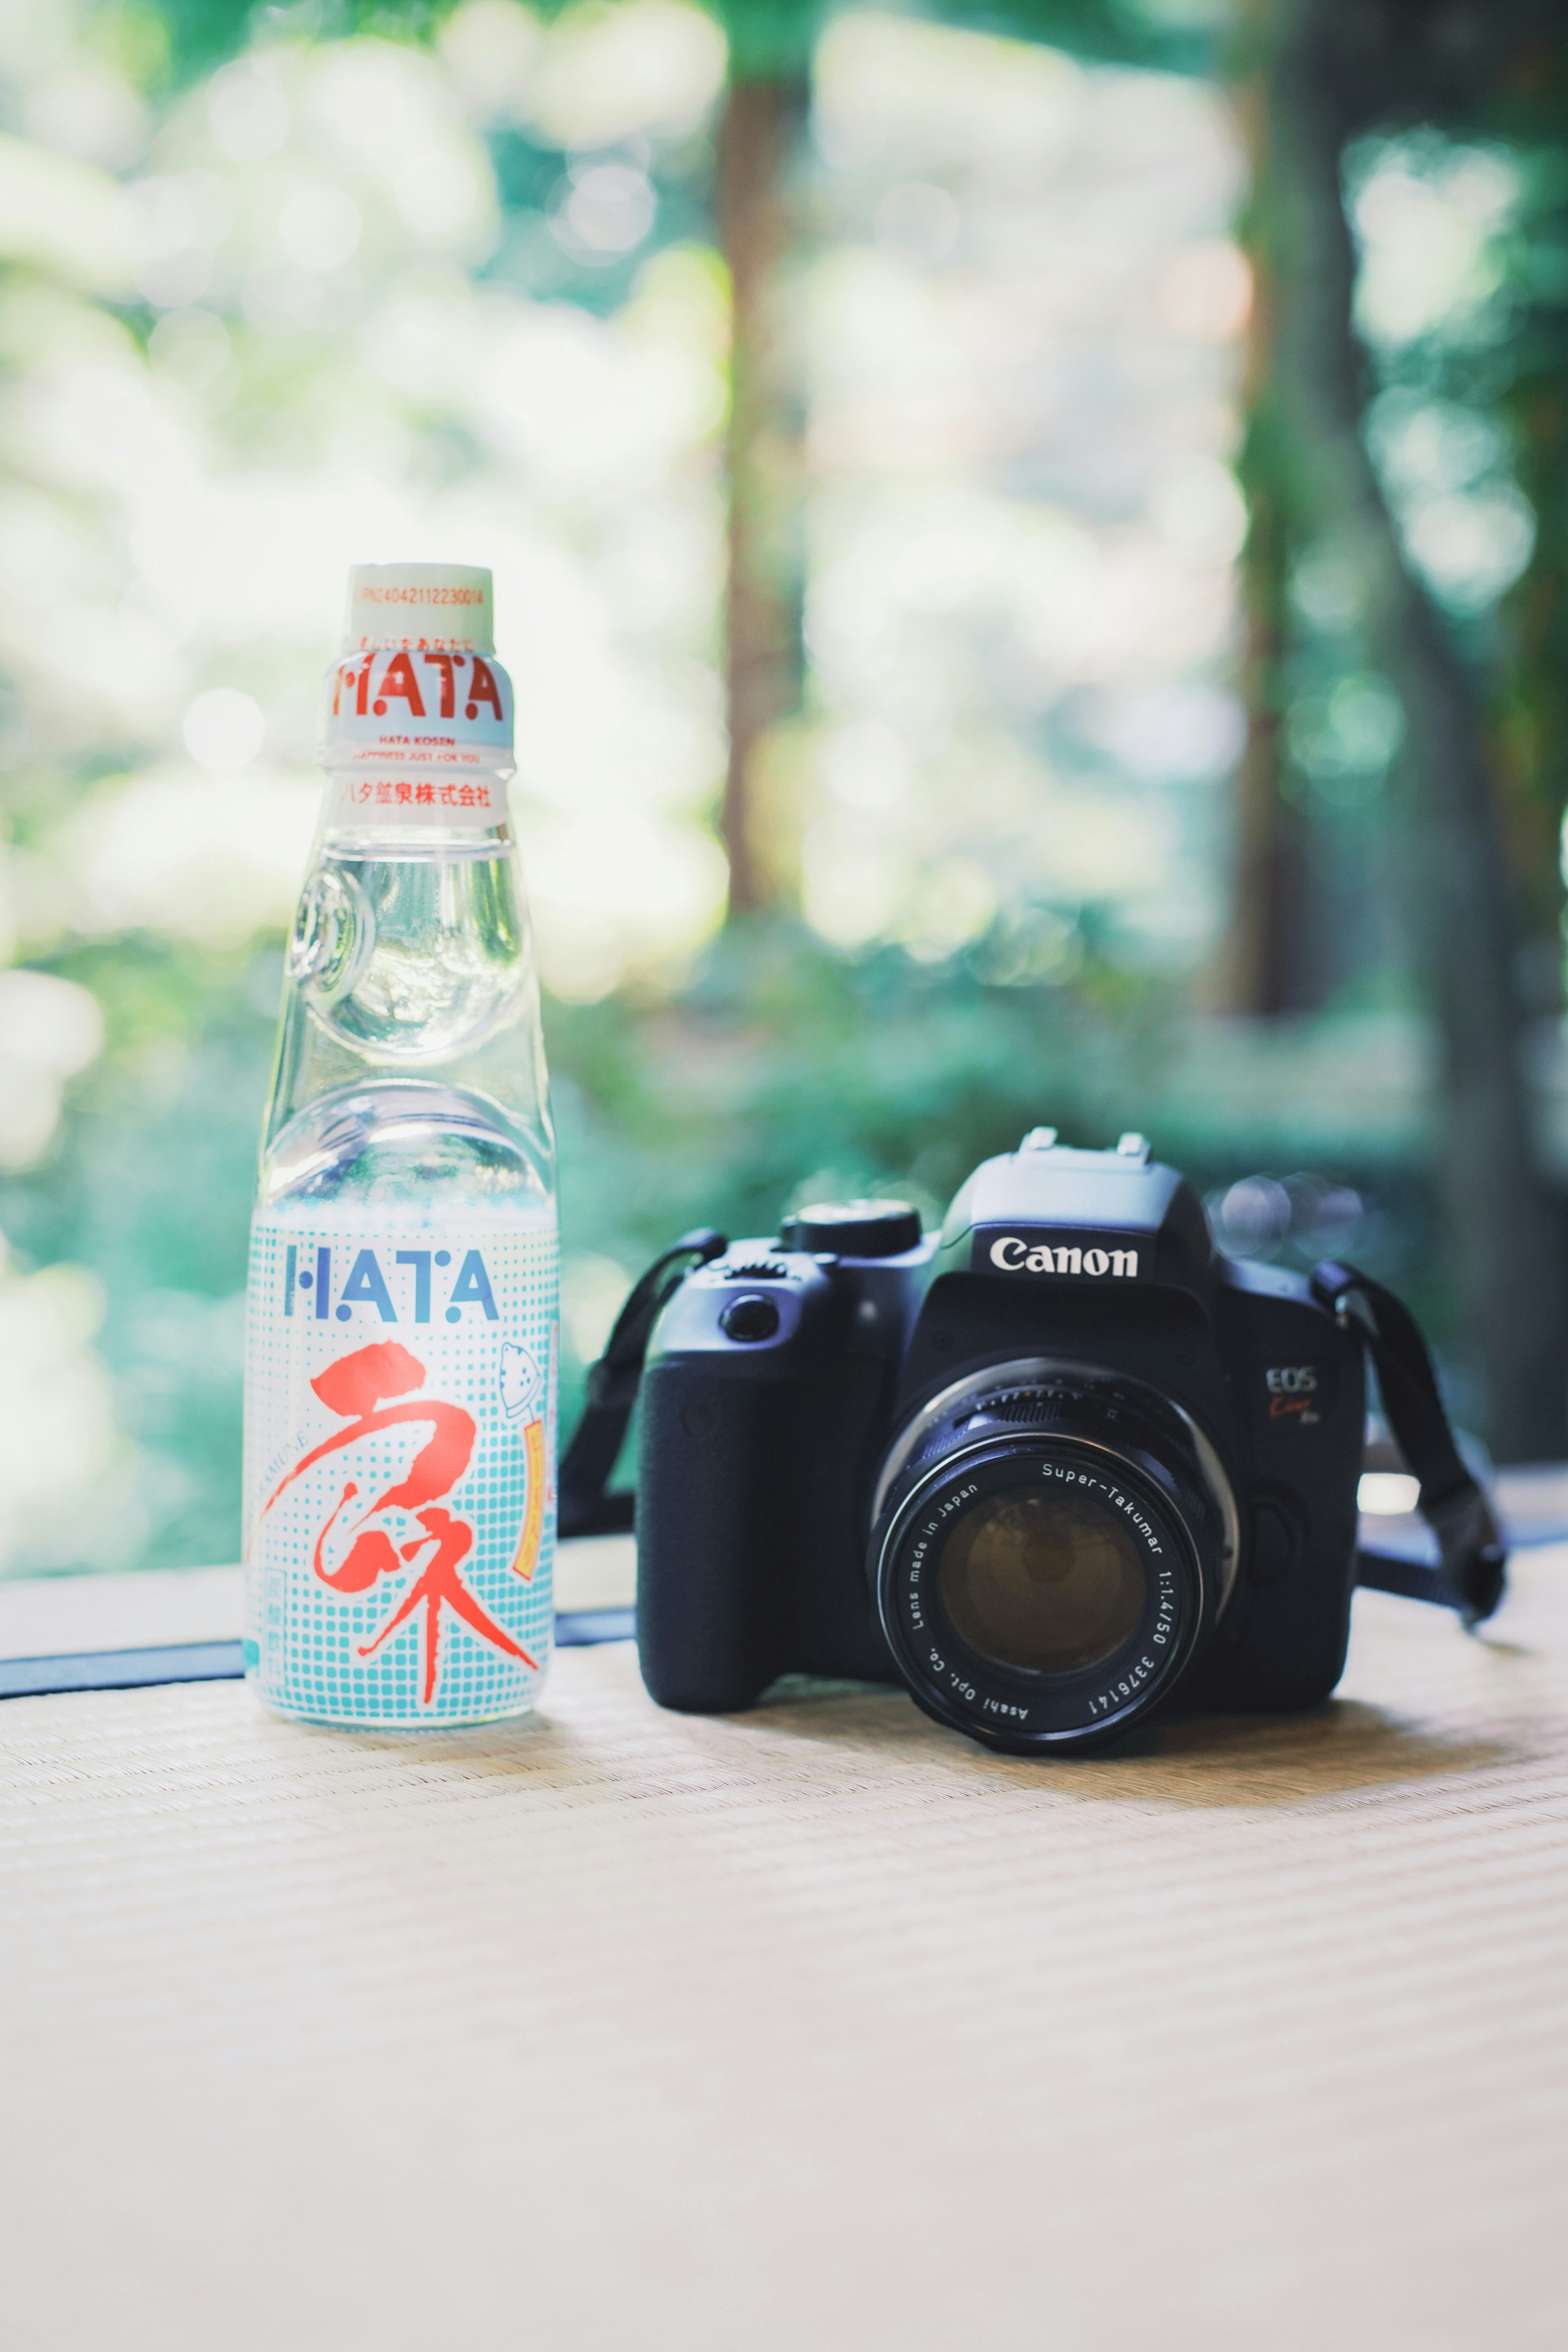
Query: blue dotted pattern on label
(311, 1640)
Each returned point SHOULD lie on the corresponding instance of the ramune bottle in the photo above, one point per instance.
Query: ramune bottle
(402, 1333)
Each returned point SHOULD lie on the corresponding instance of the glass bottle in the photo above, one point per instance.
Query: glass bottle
(402, 1328)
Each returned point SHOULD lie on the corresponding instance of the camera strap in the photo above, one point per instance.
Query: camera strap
(1472, 1555)
(585, 1508)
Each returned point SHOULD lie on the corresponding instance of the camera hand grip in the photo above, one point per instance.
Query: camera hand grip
(712, 1541)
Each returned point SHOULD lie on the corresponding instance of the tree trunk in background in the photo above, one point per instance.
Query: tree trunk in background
(1502, 1221)
(1263, 963)
(1265, 959)
(1530, 716)
(765, 462)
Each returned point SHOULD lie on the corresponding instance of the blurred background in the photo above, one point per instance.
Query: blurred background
(1033, 544)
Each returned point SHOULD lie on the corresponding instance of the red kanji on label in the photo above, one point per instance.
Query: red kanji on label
(356, 1389)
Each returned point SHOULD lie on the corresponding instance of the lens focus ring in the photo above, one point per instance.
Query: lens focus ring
(1043, 1574)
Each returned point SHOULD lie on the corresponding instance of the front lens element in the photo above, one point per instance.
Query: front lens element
(1044, 1574)
(1042, 1583)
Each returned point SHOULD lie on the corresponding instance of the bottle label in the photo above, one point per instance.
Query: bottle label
(420, 732)
(399, 1465)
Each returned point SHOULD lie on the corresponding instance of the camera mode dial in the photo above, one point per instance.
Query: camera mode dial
(854, 1229)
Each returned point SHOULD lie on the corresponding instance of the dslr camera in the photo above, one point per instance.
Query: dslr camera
(1054, 1469)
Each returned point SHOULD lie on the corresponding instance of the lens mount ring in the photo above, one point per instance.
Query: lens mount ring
(1040, 1371)
(1008, 1705)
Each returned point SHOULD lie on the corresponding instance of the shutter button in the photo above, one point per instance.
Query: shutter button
(752, 1318)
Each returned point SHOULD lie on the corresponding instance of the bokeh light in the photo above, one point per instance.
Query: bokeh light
(346, 296)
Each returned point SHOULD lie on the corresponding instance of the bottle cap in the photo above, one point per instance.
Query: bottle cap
(442, 606)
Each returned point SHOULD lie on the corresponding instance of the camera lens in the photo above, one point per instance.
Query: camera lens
(1043, 1583)
(1051, 1543)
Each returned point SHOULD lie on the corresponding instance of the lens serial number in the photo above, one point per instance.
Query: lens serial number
(1131, 1683)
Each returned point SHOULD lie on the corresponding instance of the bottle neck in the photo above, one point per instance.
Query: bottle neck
(357, 822)
(416, 743)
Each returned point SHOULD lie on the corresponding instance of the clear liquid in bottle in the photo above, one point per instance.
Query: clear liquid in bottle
(402, 1330)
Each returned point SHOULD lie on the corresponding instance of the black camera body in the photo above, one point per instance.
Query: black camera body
(1051, 1469)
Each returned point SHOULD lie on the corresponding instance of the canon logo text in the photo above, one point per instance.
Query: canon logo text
(1015, 1256)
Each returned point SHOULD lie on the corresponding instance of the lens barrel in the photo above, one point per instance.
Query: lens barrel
(1049, 1552)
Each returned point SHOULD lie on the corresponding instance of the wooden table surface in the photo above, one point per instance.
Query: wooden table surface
(817, 2026)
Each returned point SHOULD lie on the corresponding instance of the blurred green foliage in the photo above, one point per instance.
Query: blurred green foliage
(782, 1070)
(779, 1063)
